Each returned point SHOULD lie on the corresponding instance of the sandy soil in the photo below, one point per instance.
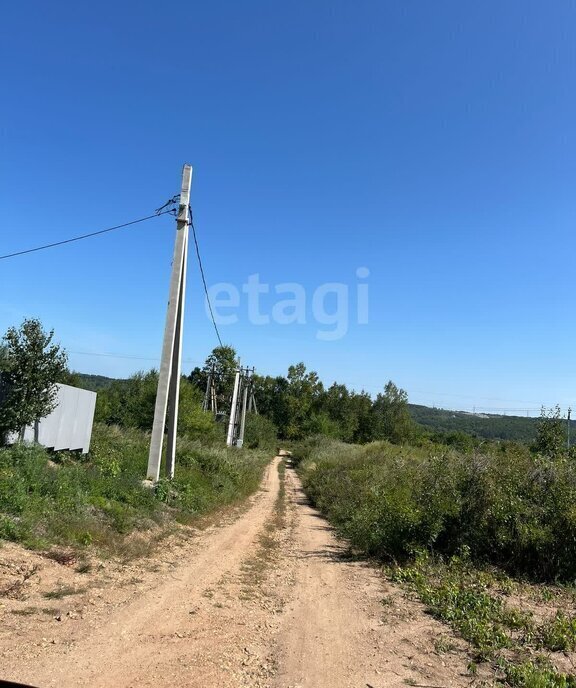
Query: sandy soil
(267, 596)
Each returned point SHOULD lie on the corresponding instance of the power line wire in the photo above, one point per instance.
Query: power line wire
(107, 355)
(86, 236)
(127, 356)
(472, 411)
(203, 276)
(375, 388)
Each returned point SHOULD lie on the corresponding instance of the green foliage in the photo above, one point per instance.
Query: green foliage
(551, 437)
(130, 404)
(460, 597)
(470, 601)
(391, 417)
(303, 394)
(537, 673)
(94, 382)
(57, 498)
(31, 366)
(193, 422)
(259, 432)
(559, 634)
(221, 364)
(300, 407)
(441, 423)
(350, 414)
(272, 400)
(507, 506)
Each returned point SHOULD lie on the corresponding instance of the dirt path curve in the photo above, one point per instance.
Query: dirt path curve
(267, 600)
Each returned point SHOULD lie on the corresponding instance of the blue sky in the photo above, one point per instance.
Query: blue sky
(430, 142)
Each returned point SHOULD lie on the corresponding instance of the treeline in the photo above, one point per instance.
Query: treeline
(130, 403)
(289, 408)
(298, 405)
(488, 426)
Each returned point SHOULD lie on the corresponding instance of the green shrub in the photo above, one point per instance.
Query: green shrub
(260, 432)
(536, 674)
(97, 499)
(507, 506)
(559, 633)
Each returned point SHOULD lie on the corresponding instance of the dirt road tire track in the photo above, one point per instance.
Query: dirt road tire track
(270, 599)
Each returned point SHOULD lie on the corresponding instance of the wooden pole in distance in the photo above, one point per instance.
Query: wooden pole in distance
(170, 365)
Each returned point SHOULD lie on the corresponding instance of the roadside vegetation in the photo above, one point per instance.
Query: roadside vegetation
(99, 499)
(485, 537)
(520, 634)
(68, 499)
(507, 505)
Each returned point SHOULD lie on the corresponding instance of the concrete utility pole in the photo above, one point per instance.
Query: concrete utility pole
(240, 440)
(233, 408)
(213, 400)
(568, 429)
(242, 401)
(171, 363)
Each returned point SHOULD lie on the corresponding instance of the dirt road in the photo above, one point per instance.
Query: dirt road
(266, 597)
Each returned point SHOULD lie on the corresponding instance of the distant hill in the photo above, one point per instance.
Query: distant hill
(94, 382)
(489, 426)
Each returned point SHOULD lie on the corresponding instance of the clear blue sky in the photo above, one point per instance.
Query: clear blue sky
(430, 142)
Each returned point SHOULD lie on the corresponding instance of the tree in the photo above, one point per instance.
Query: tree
(222, 363)
(350, 411)
(361, 406)
(31, 365)
(550, 438)
(303, 399)
(336, 404)
(272, 401)
(392, 420)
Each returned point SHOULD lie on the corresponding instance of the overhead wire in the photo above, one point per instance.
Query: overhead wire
(158, 213)
(127, 356)
(165, 209)
(203, 275)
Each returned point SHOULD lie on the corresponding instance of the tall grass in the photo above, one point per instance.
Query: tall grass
(504, 505)
(61, 498)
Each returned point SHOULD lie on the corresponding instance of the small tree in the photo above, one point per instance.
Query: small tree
(391, 415)
(550, 437)
(31, 364)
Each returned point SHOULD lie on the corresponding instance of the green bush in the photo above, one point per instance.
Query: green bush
(505, 505)
(260, 432)
(130, 404)
(96, 499)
